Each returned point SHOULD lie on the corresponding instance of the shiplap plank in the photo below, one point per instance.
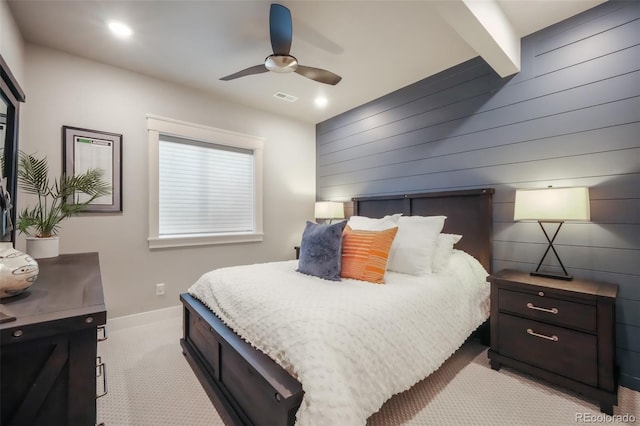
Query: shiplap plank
(384, 167)
(505, 142)
(541, 87)
(460, 134)
(475, 86)
(568, 34)
(420, 120)
(568, 78)
(628, 312)
(484, 176)
(629, 362)
(555, 168)
(599, 92)
(516, 139)
(628, 337)
(621, 211)
(599, 44)
(512, 92)
(595, 14)
(442, 81)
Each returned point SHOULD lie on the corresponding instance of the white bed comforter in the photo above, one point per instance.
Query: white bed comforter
(351, 344)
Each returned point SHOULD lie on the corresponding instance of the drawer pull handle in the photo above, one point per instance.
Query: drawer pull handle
(553, 338)
(101, 371)
(537, 308)
(102, 333)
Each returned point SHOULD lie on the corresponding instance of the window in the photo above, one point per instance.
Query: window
(205, 185)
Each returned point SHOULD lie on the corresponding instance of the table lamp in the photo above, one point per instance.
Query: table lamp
(329, 210)
(552, 205)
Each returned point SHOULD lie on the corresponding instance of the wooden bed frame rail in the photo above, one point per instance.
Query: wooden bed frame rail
(225, 364)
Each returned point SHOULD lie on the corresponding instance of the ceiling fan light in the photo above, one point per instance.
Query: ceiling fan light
(281, 63)
(280, 31)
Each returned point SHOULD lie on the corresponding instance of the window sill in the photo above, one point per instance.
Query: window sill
(202, 240)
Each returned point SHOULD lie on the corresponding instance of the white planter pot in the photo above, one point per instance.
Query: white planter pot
(42, 248)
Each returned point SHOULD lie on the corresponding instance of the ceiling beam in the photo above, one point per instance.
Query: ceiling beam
(485, 27)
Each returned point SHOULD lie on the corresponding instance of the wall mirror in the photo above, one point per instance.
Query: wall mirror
(11, 95)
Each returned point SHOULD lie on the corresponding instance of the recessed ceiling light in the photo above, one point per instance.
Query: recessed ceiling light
(119, 29)
(321, 102)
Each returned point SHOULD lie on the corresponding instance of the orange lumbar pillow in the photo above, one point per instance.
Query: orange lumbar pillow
(365, 254)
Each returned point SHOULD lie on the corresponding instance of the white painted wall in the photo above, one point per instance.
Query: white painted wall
(68, 90)
(11, 43)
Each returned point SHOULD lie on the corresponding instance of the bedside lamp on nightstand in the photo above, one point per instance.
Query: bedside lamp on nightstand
(329, 210)
(552, 205)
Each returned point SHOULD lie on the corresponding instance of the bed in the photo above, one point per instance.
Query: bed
(247, 386)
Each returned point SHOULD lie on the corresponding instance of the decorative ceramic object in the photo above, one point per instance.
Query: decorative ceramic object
(17, 271)
(42, 248)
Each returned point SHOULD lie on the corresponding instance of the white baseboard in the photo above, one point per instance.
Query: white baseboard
(144, 318)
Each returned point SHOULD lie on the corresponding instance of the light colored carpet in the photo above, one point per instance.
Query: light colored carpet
(150, 383)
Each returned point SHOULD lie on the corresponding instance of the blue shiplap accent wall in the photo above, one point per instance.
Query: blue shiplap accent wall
(571, 117)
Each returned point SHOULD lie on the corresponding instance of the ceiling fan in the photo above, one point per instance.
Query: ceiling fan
(281, 61)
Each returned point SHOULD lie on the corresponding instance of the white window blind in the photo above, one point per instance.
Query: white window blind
(205, 185)
(205, 188)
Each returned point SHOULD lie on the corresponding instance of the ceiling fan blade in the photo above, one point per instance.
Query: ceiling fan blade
(280, 29)
(257, 69)
(320, 75)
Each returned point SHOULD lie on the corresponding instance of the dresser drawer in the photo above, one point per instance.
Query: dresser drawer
(572, 354)
(545, 308)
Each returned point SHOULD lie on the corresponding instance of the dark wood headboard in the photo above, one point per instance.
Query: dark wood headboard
(469, 213)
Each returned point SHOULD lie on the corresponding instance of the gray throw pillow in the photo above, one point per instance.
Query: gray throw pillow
(321, 250)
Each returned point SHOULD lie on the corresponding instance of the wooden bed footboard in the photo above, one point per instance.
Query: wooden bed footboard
(245, 385)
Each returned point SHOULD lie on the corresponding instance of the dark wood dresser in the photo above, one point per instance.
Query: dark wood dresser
(48, 354)
(560, 331)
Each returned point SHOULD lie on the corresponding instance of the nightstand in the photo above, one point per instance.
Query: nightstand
(559, 331)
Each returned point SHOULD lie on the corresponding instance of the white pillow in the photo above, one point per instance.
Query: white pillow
(444, 249)
(413, 247)
(364, 223)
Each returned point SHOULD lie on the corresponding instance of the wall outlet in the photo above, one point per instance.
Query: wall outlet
(160, 289)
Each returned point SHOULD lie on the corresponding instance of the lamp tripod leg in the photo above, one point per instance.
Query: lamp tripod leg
(552, 248)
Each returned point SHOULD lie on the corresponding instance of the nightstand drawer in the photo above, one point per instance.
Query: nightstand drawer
(566, 352)
(545, 308)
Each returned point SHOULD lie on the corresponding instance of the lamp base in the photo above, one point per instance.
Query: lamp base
(552, 275)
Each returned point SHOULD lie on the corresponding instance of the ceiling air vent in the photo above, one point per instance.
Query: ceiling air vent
(285, 97)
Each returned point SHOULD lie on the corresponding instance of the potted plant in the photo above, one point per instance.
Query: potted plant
(57, 200)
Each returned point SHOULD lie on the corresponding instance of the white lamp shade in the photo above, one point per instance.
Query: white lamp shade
(329, 210)
(552, 204)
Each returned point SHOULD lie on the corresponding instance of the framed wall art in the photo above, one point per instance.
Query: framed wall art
(85, 149)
